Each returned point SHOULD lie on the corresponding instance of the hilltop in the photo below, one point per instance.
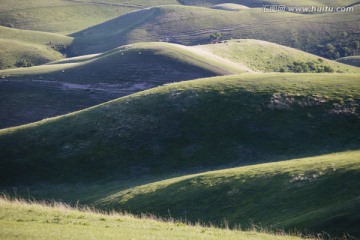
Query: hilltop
(21, 48)
(192, 124)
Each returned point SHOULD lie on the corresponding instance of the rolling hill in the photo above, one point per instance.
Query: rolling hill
(85, 81)
(195, 25)
(264, 56)
(193, 124)
(298, 194)
(21, 48)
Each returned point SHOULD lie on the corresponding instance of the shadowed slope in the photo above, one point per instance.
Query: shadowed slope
(239, 119)
(74, 84)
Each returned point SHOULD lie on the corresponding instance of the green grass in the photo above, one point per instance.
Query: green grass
(123, 71)
(21, 48)
(320, 194)
(194, 25)
(210, 122)
(354, 60)
(74, 84)
(64, 17)
(58, 221)
(269, 57)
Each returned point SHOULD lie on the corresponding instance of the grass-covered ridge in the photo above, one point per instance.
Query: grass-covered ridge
(21, 48)
(207, 122)
(320, 194)
(40, 221)
(195, 25)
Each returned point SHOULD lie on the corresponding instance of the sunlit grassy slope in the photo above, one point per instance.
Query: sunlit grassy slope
(64, 16)
(270, 57)
(20, 48)
(209, 122)
(320, 194)
(354, 60)
(35, 221)
(194, 25)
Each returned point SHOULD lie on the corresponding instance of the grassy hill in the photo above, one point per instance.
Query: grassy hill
(270, 57)
(66, 16)
(195, 25)
(320, 194)
(354, 60)
(38, 221)
(74, 84)
(85, 81)
(21, 48)
(193, 124)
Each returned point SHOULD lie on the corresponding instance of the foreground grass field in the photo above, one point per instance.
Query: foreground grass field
(34, 221)
(210, 122)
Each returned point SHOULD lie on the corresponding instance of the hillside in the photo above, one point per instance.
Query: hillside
(196, 25)
(303, 193)
(66, 16)
(193, 124)
(20, 48)
(74, 84)
(354, 60)
(40, 221)
(85, 81)
(264, 56)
